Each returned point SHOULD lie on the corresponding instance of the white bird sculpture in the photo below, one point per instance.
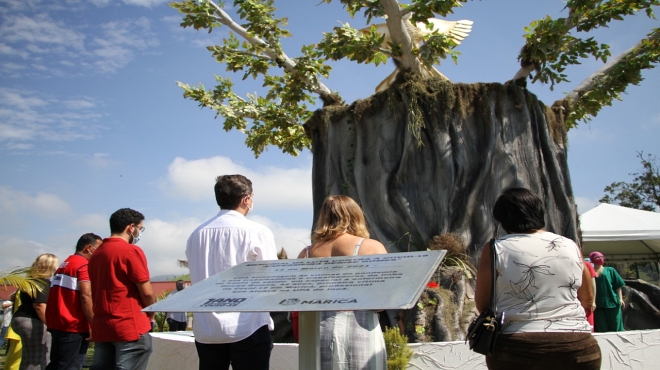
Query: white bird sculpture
(457, 30)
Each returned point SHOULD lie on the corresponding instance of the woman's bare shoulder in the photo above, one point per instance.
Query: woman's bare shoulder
(371, 246)
(303, 253)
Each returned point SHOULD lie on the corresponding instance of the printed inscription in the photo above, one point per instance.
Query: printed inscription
(223, 302)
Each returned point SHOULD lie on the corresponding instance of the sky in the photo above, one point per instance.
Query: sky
(91, 119)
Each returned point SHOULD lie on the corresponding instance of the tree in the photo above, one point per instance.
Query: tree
(425, 157)
(276, 118)
(18, 278)
(643, 192)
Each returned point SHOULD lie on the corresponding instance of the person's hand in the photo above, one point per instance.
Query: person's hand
(623, 304)
(593, 306)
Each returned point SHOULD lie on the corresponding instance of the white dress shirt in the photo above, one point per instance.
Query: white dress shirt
(224, 241)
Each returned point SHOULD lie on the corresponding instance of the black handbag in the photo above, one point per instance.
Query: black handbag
(483, 331)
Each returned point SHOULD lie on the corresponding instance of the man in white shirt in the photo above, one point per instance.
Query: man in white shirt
(241, 339)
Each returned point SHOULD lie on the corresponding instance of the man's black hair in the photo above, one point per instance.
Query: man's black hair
(85, 240)
(179, 283)
(231, 189)
(122, 218)
(519, 210)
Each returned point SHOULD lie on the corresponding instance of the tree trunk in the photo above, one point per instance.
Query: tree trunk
(431, 157)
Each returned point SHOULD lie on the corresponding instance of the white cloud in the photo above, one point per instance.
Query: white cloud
(57, 48)
(164, 242)
(39, 32)
(145, 3)
(94, 222)
(273, 186)
(100, 161)
(18, 252)
(116, 47)
(13, 202)
(292, 239)
(585, 204)
(28, 116)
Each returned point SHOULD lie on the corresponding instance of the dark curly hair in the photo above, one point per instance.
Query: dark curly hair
(122, 218)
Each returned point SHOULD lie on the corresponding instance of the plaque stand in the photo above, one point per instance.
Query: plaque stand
(309, 348)
(310, 286)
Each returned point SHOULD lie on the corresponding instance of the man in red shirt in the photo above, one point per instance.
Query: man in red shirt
(120, 290)
(69, 307)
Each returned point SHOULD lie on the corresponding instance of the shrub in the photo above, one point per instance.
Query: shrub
(398, 352)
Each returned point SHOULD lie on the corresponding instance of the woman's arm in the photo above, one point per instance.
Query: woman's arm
(41, 311)
(484, 280)
(585, 293)
(593, 286)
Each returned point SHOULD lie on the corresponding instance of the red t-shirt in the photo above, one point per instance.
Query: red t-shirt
(115, 268)
(64, 309)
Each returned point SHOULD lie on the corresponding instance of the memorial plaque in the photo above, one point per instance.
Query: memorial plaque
(379, 281)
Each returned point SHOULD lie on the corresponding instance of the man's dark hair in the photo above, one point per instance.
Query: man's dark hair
(124, 217)
(179, 283)
(519, 210)
(231, 189)
(85, 240)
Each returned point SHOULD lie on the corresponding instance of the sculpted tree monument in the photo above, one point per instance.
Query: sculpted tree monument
(424, 156)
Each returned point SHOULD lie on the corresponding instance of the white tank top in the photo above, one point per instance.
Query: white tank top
(539, 275)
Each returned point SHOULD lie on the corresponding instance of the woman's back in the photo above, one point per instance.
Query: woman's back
(539, 275)
(344, 245)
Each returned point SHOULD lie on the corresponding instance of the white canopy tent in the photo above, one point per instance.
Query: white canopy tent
(620, 233)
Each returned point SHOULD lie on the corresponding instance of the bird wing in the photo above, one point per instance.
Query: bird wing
(381, 28)
(389, 80)
(458, 30)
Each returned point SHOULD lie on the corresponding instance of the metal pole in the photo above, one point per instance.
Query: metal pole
(309, 350)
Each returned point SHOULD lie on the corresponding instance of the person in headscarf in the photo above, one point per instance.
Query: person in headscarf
(608, 315)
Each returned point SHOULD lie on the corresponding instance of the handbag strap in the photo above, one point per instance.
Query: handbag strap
(493, 258)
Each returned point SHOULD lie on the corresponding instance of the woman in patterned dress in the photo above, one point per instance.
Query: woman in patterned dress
(539, 279)
(350, 340)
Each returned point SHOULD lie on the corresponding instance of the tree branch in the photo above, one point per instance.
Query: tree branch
(593, 81)
(400, 36)
(279, 57)
(607, 84)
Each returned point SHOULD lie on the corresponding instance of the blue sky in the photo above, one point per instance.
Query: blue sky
(91, 119)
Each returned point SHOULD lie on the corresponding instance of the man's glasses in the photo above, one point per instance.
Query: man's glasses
(140, 228)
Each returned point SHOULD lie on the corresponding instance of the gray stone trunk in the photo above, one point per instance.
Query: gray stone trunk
(475, 140)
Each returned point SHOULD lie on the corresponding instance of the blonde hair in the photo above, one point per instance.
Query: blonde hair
(339, 214)
(44, 266)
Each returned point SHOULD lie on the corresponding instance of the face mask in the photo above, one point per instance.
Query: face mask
(136, 238)
(250, 208)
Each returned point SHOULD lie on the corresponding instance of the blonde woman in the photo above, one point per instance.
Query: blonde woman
(29, 320)
(349, 339)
